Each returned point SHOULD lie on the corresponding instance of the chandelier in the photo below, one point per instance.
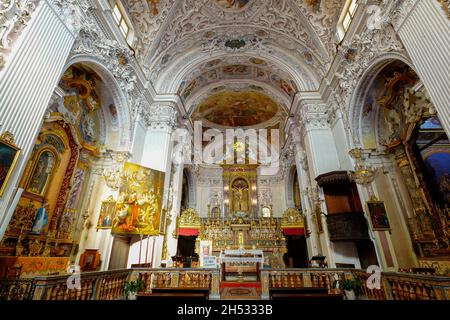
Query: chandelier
(363, 174)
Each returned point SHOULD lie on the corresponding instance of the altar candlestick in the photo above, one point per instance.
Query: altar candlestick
(153, 252)
(140, 248)
(146, 250)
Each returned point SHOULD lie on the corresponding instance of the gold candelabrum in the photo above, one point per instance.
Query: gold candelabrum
(363, 174)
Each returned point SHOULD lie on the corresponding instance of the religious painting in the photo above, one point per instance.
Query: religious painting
(42, 172)
(107, 212)
(378, 215)
(236, 69)
(232, 4)
(213, 63)
(139, 204)
(206, 247)
(237, 109)
(9, 154)
(258, 61)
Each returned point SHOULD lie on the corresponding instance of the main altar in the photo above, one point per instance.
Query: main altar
(240, 234)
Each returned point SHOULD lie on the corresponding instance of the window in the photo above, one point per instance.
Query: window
(119, 16)
(347, 17)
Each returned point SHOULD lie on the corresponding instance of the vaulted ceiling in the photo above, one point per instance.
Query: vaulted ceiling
(197, 48)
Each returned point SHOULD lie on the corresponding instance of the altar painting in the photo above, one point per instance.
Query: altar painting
(139, 204)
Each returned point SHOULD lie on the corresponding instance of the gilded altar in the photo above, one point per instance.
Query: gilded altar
(240, 233)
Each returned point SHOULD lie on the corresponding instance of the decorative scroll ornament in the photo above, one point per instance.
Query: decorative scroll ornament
(14, 17)
(189, 218)
(160, 117)
(292, 218)
(114, 176)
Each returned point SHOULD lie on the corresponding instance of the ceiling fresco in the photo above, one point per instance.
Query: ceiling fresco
(253, 68)
(297, 32)
(237, 109)
(232, 4)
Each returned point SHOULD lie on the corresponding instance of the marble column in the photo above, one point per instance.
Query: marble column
(32, 70)
(425, 33)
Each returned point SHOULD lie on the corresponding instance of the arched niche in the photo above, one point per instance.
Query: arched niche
(393, 114)
(117, 130)
(293, 189)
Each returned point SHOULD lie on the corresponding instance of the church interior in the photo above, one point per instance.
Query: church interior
(225, 149)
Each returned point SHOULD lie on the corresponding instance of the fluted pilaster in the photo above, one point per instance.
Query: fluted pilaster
(426, 36)
(30, 75)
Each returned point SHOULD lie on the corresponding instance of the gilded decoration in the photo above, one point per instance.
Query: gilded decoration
(9, 154)
(139, 204)
(189, 218)
(292, 218)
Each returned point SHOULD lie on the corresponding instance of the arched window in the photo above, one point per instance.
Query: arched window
(346, 18)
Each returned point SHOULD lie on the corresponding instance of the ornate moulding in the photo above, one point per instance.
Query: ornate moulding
(14, 17)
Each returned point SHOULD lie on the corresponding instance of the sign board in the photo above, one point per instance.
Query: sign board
(210, 262)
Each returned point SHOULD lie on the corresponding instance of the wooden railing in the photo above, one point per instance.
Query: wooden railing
(180, 278)
(106, 285)
(393, 286)
(299, 278)
(109, 285)
(404, 286)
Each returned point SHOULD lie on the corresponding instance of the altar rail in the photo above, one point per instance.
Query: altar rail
(393, 286)
(105, 285)
(407, 286)
(180, 278)
(109, 285)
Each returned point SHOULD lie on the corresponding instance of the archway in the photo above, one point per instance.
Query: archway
(81, 122)
(394, 115)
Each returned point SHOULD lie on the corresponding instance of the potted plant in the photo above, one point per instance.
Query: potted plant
(132, 288)
(351, 287)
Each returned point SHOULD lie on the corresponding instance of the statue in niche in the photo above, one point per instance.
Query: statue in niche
(42, 173)
(41, 219)
(240, 196)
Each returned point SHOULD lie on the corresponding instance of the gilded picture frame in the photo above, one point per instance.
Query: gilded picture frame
(163, 222)
(9, 155)
(107, 213)
(378, 215)
(49, 177)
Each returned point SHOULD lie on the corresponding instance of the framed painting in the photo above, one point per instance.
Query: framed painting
(139, 205)
(378, 215)
(107, 212)
(9, 153)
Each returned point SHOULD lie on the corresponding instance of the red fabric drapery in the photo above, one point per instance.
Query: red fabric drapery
(188, 232)
(293, 231)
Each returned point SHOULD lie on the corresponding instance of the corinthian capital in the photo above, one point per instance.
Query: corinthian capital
(160, 117)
